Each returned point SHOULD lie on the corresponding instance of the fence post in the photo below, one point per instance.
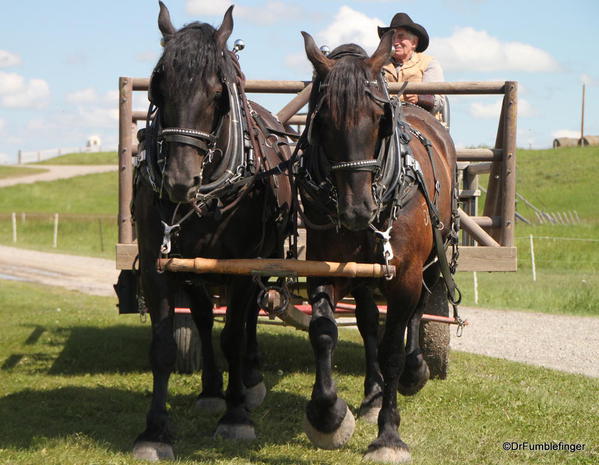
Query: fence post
(475, 277)
(19, 157)
(532, 259)
(14, 226)
(55, 241)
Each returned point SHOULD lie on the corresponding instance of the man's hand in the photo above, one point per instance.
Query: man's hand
(410, 98)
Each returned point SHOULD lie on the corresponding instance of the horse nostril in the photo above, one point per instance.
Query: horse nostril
(197, 180)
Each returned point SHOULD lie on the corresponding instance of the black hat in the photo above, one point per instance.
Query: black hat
(403, 20)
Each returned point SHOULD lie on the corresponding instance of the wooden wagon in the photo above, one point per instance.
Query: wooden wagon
(487, 238)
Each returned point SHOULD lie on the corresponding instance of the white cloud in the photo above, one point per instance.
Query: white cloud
(212, 7)
(589, 80)
(88, 95)
(9, 59)
(17, 92)
(352, 26)
(298, 62)
(493, 110)
(566, 133)
(2, 125)
(266, 13)
(469, 49)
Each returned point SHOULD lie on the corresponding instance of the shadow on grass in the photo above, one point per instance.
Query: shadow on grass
(113, 417)
(92, 350)
(124, 349)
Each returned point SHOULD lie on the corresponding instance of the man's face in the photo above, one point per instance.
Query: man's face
(404, 43)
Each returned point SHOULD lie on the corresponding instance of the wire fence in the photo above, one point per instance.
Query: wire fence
(71, 232)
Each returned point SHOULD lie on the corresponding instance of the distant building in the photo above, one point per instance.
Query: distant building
(93, 144)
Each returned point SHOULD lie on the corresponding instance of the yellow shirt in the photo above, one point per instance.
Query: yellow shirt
(411, 70)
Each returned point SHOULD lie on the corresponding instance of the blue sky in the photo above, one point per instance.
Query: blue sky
(60, 60)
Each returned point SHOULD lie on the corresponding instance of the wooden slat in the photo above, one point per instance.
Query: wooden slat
(125, 256)
(487, 259)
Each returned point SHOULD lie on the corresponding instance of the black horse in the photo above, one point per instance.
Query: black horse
(207, 187)
(377, 184)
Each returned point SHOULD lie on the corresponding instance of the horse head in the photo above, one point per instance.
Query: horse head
(188, 86)
(349, 119)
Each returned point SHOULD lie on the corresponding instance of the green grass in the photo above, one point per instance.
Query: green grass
(18, 171)
(92, 158)
(75, 384)
(567, 271)
(87, 207)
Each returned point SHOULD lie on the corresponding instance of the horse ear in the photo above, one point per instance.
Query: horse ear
(382, 54)
(322, 64)
(225, 29)
(164, 22)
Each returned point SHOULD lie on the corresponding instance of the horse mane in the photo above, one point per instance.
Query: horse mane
(193, 56)
(344, 85)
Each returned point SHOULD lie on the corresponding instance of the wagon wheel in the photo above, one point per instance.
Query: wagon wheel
(188, 344)
(434, 336)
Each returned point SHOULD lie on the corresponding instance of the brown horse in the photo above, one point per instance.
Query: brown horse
(375, 180)
(206, 187)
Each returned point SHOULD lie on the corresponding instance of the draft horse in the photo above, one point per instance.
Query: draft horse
(207, 185)
(377, 182)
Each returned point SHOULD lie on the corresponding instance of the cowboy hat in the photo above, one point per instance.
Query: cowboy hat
(403, 20)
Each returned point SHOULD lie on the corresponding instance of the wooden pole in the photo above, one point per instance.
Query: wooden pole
(274, 267)
(125, 166)
(14, 227)
(532, 259)
(508, 167)
(582, 118)
(477, 233)
(55, 239)
(295, 105)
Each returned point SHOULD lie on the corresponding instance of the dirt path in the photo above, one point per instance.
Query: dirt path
(85, 274)
(55, 172)
(561, 342)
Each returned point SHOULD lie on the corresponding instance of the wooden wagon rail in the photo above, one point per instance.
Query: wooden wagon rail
(488, 238)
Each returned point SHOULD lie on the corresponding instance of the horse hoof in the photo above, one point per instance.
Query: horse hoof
(333, 440)
(254, 396)
(210, 405)
(388, 455)
(415, 387)
(240, 432)
(369, 414)
(153, 451)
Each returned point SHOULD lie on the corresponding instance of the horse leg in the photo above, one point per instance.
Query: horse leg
(155, 443)
(212, 399)
(236, 422)
(367, 318)
(416, 372)
(328, 422)
(388, 446)
(255, 389)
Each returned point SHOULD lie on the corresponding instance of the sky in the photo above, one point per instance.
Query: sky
(60, 60)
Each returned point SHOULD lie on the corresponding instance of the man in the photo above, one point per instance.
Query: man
(410, 64)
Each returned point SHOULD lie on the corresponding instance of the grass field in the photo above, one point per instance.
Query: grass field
(18, 171)
(75, 381)
(89, 222)
(555, 180)
(92, 158)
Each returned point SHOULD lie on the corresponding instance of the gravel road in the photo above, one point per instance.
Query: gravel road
(55, 172)
(565, 343)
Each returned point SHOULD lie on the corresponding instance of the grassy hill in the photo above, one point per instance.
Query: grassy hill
(18, 171)
(93, 158)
